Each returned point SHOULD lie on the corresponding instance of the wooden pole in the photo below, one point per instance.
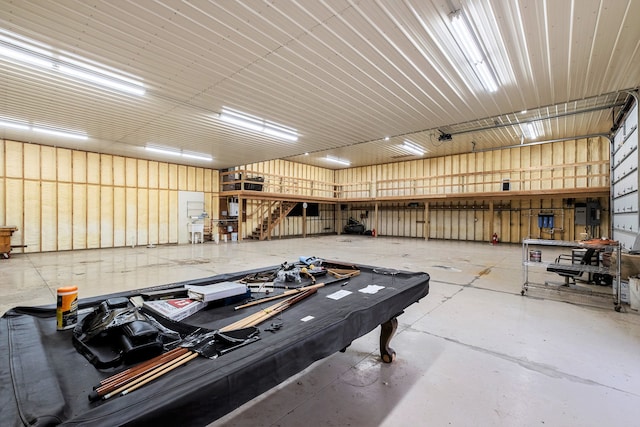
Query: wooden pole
(282, 295)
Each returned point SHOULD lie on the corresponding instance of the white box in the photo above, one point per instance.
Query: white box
(634, 293)
(175, 309)
(234, 237)
(624, 291)
(216, 291)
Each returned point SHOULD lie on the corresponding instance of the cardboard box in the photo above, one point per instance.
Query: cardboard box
(175, 309)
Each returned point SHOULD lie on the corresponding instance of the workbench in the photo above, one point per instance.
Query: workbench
(5, 240)
(45, 381)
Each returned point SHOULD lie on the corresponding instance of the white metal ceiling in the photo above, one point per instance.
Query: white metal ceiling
(344, 73)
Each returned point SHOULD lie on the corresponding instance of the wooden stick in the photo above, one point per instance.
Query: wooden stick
(282, 295)
(342, 273)
(149, 374)
(141, 366)
(268, 312)
(159, 373)
(136, 373)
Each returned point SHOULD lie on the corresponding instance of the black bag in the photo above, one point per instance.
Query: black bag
(118, 333)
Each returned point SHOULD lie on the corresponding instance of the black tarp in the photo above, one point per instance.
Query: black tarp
(45, 381)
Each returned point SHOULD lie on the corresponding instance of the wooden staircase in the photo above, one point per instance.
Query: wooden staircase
(272, 214)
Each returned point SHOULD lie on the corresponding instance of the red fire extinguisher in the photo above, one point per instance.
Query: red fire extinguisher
(494, 239)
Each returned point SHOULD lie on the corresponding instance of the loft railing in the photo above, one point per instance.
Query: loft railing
(575, 176)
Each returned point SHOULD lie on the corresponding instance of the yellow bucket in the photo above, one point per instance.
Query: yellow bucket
(67, 308)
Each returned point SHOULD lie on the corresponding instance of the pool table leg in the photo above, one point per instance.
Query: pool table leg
(388, 330)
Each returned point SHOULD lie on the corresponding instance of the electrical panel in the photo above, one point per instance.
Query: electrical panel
(587, 214)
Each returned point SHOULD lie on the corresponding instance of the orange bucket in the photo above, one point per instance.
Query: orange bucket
(67, 308)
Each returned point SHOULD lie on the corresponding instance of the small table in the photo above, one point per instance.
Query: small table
(5, 240)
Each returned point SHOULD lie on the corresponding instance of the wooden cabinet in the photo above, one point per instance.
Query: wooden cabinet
(5, 240)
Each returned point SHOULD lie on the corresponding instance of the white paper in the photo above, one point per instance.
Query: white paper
(306, 319)
(339, 294)
(371, 289)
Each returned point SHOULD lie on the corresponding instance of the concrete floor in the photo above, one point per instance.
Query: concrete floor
(473, 352)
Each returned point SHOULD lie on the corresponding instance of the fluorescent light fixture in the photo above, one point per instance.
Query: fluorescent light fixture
(166, 151)
(99, 80)
(197, 156)
(471, 50)
(64, 134)
(530, 131)
(413, 148)
(339, 161)
(14, 125)
(29, 54)
(49, 131)
(257, 124)
(178, 153)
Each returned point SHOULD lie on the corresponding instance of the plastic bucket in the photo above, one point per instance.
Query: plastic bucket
(535, 256)
(67, 308)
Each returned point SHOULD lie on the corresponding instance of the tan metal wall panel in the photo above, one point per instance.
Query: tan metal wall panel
(3, 202)
(131, 172)
(582, 155)
(93, 215)
(199, 179)
(163, 175)
(79, 216)
(2, 157)
(14, 159)
(32, 226)
(48, 163)
(107, 222)
(93, 168)
(153, 216)
(14, 189)
(173, 177)
(153, 175)
(31, 161)
(79, 166)
(106, 169)
(163, 216)
(173, 217)
(183, 181)
(49, 220)
(64, 166)
(131, 204)
(142, 214)
(119, 217)
(143, 173)
(119, 171)
(65, 217)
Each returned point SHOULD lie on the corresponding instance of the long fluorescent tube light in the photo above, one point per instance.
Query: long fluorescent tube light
(29, 54)
(258, 124)
(471, 50)
(339, 161)
(14, 125)
(49, 131)
(413, 148)
(197, 156)
(178, 153)
(60, 133)
(165, 151)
